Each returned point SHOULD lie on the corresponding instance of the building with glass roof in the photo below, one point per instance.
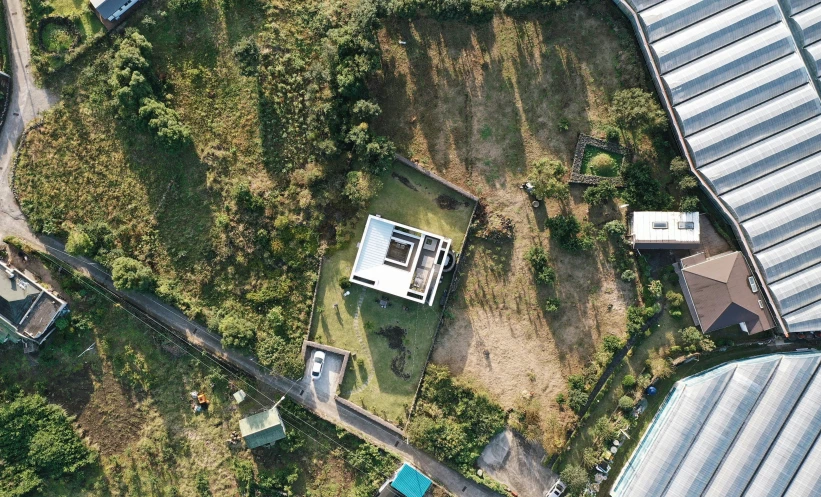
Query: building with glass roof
(746, 428)
(740, 78)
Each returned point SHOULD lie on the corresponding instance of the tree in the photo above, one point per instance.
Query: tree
(629, 381)
(566, 230)
(361, 187)
(591, 456)
(547, 178)
(674, 299)
(612, 344)
(165, 123)
(236, 332)
(542, 271)
(577, 399)
(689, 204)
(641, 189)
(599, 194)
(131, 274)
(694, 340)
(655, 288)
(616, 229)
(628, 276)
(679, 167)
(660, 367)
(79, 243)
(576, 479)
(635, 109)
(626, 403)
(602, 165)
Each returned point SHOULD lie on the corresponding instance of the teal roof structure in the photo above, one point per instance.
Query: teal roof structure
(410, 482)
(262, 429)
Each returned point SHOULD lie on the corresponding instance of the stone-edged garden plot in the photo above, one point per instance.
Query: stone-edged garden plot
(389, 337)
(596, 160)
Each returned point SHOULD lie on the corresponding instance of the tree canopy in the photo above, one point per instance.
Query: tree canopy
(547, 178)
(635, 109)
(131, 274)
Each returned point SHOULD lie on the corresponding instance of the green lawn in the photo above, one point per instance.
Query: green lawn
(370, 380)
(87, 23)
(591, 151)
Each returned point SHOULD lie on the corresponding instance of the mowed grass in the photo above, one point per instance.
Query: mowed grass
(591, 151)
(370, 380)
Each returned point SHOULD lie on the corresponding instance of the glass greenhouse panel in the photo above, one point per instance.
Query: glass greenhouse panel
(777, 188)
(785, 222)
(674, 15)
(795, 6)
(810, 23)
(807, 482)
(640, 5)
(814, 52)
(754, 125)
(806, 319)
(717, 32)
(742, 94)
(765, 157)
(792, 256)
(798, 290)
(728, 63)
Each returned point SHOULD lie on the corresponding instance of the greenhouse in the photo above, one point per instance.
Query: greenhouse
(740, 78)
(748, 428)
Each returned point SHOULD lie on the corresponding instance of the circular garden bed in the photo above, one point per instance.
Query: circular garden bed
(58, 35)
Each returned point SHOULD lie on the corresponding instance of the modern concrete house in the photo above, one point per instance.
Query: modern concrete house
(740, 81)
(665, 230)
(111, 12)
(400, 260)
(721, 291)
(27, 310)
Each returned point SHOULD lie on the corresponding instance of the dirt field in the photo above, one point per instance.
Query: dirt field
(478, 104)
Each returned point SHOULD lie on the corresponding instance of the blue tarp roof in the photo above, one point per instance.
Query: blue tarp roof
(410, 482)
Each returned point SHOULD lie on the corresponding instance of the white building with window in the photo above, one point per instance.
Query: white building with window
(665, 230)
(400, 260)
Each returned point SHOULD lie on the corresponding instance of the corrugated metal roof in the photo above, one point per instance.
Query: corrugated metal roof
(262, 429)
(647, 227)
(410, 482)
(744, 428)
(374, 244)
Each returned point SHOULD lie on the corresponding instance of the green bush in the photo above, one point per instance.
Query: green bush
(600, 194)
(552, 304)
(131, 274)
(519, 7)
(542, 271)
(165, 123)
(565, 229)
(576, 479)
(612, 134)
(79, 243)
(655, 288)
(674, 299)
(612, 344)
(629, 381)
(37, 443)
(628, 276)
(641, 189)
(615, 229)
(688, 184)
(626, 403)
(547, 177)
(564, 124)
(689, 204)
(344, 283)
(679, 167)
(247, 54)
(635, 109)
(361, 187)
(576, 400)
(602, 165)
(185, 6)
(694, 340)
(236, 332)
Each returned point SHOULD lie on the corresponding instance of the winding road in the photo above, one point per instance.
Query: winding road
(27, 102)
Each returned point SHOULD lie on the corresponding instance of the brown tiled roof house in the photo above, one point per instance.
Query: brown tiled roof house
(720, 292)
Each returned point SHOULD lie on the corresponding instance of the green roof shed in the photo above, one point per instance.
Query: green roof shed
(410, 482)
(262, 429)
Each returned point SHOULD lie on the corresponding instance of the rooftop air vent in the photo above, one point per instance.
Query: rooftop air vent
(10, 274)
(659, 225)
(760, 304)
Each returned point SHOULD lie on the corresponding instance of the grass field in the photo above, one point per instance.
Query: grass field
(591, 151)
(87, 23)
(130, 398)
(373, 380)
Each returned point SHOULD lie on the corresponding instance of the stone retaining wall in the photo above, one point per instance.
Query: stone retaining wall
(576, 175)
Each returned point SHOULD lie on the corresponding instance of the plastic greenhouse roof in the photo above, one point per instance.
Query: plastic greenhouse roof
(742, 79)
(748, 428)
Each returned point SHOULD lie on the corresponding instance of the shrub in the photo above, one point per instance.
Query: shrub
(679, 167)
(543, 272)
(518, 7)
(629, 381)
(641, 189)
(576, 479)
(612, 134)
(247, 54)
(615, 229)
(564, 124)
(637, 317)
(576, 400)
(655, 288)
(660, 367)
(236, 332)
(344, 283)
(600, 194)
(689, 204)
(547, 177)
(635, 109)
(361, 187)
(165, 123)
(602, 165)
(131, 274)
(628, 276)
(561, 399)
(184, 6)
(552, 305)
(688, 183)
(565, 229)
(79, 243)
(694, 340)
(674, 299)
(612, 344)
(626, 403)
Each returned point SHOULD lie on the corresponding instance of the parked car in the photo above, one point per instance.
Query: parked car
(319, 361)
(558, 489)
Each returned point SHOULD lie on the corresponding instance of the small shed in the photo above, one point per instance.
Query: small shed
(262, 429)
(665, 230)
(407, 482)
(239, 396)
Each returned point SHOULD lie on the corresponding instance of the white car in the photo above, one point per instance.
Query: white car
(557, 490)
(319, 361)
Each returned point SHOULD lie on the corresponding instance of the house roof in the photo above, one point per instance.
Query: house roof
(741, 79)
(681, 228)
(262, 429)
(113, 9)
(748, 427)
(26, 308)
(721, 294)
(410, 482)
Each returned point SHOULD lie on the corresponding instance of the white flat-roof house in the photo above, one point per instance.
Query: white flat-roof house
(400, 260)
(665, 230)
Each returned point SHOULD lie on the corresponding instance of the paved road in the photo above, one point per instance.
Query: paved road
(29, 101)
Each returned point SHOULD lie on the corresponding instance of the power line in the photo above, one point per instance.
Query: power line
(294, 417)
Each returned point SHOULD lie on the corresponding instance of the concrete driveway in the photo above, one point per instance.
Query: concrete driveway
(324, 387)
